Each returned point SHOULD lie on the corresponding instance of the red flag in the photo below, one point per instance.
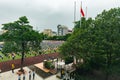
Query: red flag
(82, 12)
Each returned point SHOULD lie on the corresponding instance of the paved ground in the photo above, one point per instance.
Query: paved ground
(8, 75)
(13, 76)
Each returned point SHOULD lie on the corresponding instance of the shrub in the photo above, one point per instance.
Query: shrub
(48, 65)
(68, 60)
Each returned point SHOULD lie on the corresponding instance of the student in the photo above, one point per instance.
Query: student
(0, 70)
(13, 67)
(33, 74)
(13, 56)
(23, 76)
(29, 75)
(19, 77)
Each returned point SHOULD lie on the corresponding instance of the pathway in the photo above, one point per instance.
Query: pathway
(13, 76)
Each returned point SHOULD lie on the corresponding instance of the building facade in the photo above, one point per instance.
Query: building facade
(49, 32)
(62, 30)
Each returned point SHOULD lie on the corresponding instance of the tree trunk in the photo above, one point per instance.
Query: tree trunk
(107, 67)
(22, 57)
(109, 58)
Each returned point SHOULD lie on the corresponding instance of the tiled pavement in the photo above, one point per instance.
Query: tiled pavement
(8, 75)
(13, 76)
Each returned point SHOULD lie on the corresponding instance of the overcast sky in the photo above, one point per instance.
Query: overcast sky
(47, 14)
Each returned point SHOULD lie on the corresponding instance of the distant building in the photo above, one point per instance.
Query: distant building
(54, 33)
(2, 43)
(69, 31)
(62, 30)
(49, 32)
(2, 31)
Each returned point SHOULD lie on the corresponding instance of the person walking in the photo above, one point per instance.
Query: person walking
(13, 67)
(19, 77)
(13, 56)
(29, 75)
(33, 74)
(0, 71)
(23, 76)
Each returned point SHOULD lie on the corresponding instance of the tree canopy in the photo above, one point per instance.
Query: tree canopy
(96, 41)
(21, 37)
(20, 31)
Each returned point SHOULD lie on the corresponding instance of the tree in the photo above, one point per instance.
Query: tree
(22, 34)
(9, 47)
(96, 41)
(107, 25)
(73, 46)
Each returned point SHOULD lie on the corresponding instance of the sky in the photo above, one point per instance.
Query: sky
(47, 14)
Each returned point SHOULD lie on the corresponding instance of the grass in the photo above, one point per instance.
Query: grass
(5, 58)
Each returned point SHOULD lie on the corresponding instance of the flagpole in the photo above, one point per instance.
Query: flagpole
(80, 14)
(85, 16)
(74, 24)
(86, 12)
(74, 12)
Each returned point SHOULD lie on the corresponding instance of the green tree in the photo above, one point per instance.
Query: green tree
(97, 41)
(107, 26)
(22, 34)
(58, 37)
(73, 46)
(9, 47)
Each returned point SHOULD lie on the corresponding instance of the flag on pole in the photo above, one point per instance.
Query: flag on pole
(82, 12)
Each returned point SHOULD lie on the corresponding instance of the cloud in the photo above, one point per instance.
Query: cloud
(49, 13)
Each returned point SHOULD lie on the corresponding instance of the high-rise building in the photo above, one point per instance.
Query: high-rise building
(62, 30)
